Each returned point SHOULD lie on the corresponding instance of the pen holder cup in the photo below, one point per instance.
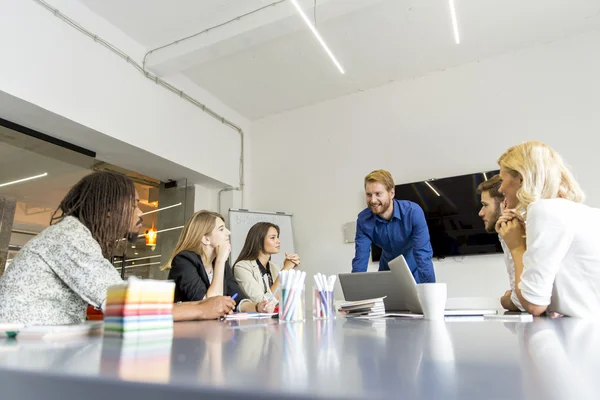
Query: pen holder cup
(291, 305)
(323, 307)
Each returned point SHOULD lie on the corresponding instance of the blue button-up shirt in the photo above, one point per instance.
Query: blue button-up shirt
(406, 233)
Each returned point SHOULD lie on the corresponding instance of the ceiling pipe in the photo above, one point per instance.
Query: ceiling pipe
(175, 42)
(154, 78)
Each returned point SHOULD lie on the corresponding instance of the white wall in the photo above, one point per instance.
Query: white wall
(205, 198)
(51, 65)
(312, 161)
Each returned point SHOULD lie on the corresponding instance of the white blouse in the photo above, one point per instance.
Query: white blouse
(510, 270)
(561, 267)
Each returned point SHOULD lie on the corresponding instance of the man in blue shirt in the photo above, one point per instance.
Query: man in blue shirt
(397, 226)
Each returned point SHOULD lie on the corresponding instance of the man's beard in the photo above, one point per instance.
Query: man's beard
(491, 225)
(384, 207)
(132, 237)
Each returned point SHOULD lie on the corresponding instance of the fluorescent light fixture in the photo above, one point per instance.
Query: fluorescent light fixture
(160, 209)
(484, 176)
(140, 258)
(24, 179)
(141, 235)
(431, 187)
(165, 230)
(139, 265)
(317, 35)
(454, 22)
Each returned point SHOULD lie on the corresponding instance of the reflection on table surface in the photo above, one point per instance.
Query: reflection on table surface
(550, 359)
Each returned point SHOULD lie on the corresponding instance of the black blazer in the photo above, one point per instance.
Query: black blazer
(191, 279)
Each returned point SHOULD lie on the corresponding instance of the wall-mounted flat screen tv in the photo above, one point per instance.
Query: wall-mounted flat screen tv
(451, 206)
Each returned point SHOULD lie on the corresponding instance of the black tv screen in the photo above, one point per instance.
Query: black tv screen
(455, 228)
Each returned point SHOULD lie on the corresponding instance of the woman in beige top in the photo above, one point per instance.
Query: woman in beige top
(256, 274)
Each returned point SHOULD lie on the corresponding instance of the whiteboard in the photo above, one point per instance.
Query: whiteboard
(240, 222)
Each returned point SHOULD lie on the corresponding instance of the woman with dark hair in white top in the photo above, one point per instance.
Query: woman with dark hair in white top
(553, 238)
(255, 272)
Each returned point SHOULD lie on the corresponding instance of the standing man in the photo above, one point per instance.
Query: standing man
(491, 209)
(397, 226)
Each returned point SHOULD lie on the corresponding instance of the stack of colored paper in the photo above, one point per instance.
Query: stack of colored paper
(145, 358)
(139, 306)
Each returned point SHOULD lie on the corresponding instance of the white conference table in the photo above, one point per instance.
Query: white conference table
(412, 359)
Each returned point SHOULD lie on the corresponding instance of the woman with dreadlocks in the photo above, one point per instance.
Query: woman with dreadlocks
(64, 268)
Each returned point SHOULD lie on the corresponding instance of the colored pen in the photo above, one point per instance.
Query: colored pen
(234, 296)
(273, 294)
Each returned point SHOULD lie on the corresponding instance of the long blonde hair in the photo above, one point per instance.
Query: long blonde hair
(544, 174)
(199, 225)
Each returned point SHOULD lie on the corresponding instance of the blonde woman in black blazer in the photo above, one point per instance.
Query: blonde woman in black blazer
(199, 263)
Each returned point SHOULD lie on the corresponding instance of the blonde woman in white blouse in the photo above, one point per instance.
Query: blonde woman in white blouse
(553, 238)
(257, 275)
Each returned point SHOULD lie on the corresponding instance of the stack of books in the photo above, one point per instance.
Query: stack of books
(367, 308)
(139, 307)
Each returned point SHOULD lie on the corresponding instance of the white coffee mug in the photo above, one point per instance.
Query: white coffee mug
(433, 299)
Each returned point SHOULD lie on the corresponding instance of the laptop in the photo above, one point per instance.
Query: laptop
(398, 285)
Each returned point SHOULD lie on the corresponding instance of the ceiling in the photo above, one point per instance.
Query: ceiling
(269, 62)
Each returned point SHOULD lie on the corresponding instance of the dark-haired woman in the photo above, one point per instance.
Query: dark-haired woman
(64, 268)
(255, 272)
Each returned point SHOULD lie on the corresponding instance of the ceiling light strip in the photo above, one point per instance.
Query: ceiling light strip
(161, 209)
(140, 265)
(165, 230)
(135, 259)
(24, 179)
(318, 36)
(454, 22)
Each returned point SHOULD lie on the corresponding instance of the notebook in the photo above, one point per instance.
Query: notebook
(249, 315)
